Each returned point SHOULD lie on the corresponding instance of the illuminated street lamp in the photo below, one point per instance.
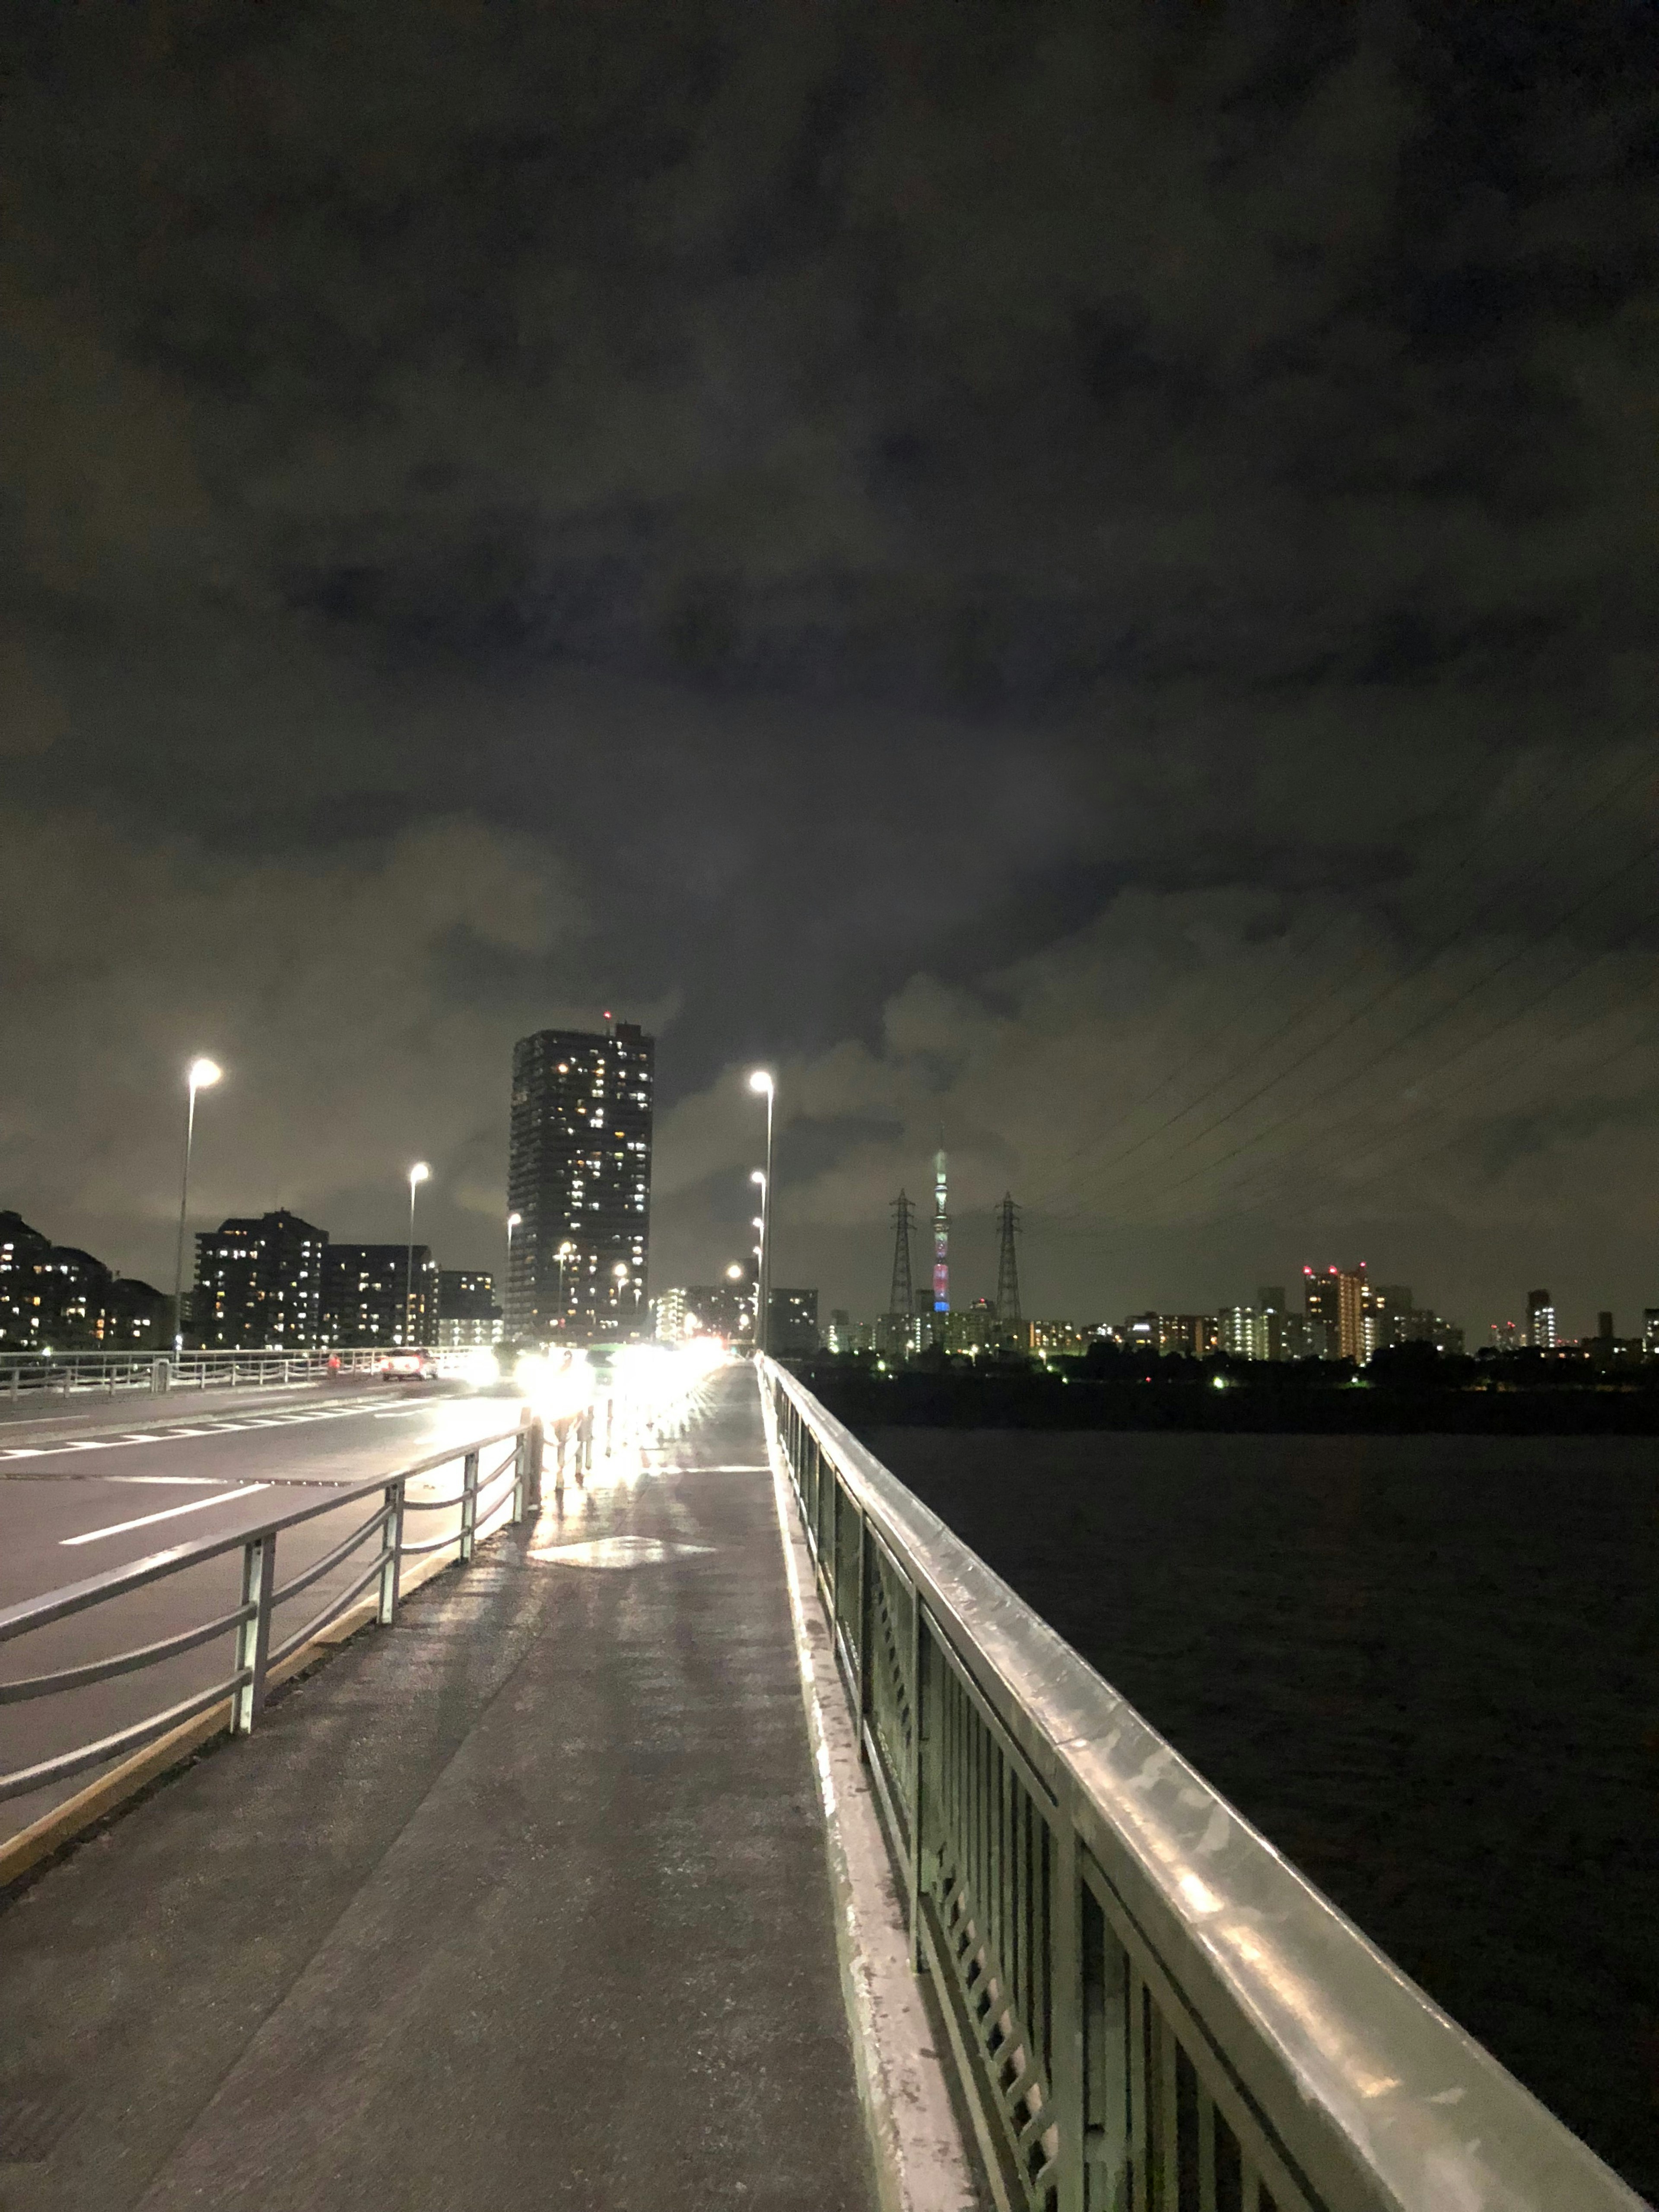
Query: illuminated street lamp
(514, 1221)
(201, 1074)
(418, 1175)
(761, 1080)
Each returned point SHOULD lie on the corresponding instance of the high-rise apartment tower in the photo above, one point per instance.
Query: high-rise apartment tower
(579, 1178)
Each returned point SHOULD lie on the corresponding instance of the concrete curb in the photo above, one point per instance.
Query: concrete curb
(920, 2162)
(64, 1822)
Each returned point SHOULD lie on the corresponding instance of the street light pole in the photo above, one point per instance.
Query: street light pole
(417, 1176)
(762, 1081)
(202, 1073)
(561, 1255)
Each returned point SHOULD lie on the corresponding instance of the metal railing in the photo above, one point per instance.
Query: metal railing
(77, 1374)
(1149, 2010)
(251, 1622)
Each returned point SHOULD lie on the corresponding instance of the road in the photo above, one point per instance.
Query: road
(78, 1498)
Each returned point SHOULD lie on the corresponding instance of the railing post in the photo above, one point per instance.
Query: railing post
(538, 1450)
(253, 1635)
(469, 1504)
(391, 1548)
(916, 1780)
(862, 1616)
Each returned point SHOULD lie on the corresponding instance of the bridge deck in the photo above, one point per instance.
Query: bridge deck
(523, 1902)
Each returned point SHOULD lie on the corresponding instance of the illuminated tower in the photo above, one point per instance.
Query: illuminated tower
(904, 1298)
(941, 1246)
(1007, 1264)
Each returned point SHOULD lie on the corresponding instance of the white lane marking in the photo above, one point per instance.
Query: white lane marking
(214, 1429)
(171, 1513)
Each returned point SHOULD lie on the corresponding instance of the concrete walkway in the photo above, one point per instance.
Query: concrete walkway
(522, 1903)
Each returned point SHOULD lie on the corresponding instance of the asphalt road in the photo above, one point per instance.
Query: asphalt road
(78, 1499)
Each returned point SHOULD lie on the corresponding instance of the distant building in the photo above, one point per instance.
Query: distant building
(1248, 1332)
(1383, 1308)
(844, 1334)
(21, 1248)
(1541, 1320)
(725, 1309)
(371, 1296)
(1335, 1311)
(1193, 1334)
(1057, 1338)
(1271, 1304)
(1604, 1327)
(792, 1323)
(579, 1178)
(55, 1297)
(1650, 1332)
(668, 1316)
(259, 1283)
(135, 1316)
(468, 1315)
(978, 1328)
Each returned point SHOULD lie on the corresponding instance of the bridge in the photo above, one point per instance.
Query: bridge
(422, 1825)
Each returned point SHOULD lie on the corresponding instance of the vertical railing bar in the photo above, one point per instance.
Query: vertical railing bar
(1059, 1945)
(1206, 2200)
(469, 1504)
(391, 1545)
(1138, 2133)
(1250, 2183)
(919, 1783)
(253, 1634)
(1169, 2094)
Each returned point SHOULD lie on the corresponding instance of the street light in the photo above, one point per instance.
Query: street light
(418, 1175)
(201, 1074)
(513, 1222)
(761, 1080)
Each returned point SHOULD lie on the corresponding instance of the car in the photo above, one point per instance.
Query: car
(408, 1367)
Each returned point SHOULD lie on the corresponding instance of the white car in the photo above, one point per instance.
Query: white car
(408, 1367)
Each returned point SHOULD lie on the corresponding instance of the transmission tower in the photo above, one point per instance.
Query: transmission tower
(903, 1298)
(1007, 1262)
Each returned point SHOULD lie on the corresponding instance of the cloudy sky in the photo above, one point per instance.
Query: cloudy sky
(1082, 576)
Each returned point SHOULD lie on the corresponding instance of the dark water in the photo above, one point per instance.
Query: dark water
(1424, 1666)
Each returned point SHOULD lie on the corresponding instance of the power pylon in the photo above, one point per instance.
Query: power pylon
(902, 1300)
(1007, 1262)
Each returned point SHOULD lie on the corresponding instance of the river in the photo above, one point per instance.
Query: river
(1422, 1666)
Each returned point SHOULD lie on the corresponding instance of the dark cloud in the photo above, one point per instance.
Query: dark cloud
(900, 534)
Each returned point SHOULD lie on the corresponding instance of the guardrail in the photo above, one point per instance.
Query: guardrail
(251, 1622)
(1149, 2010)
(71, 1374)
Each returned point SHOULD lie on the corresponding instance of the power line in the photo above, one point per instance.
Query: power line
(1396, 1045)
(1503, 822)
(1376, 999)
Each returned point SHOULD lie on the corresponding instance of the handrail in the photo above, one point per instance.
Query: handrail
(250, 1620)
(1139, 1992)
(74, 1597)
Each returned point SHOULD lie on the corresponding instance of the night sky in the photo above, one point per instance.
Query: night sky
(1082, 575)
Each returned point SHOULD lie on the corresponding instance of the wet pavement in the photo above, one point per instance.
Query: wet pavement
(522, 1902)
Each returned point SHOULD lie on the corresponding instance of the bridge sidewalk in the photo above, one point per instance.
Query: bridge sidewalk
(522, 1903)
